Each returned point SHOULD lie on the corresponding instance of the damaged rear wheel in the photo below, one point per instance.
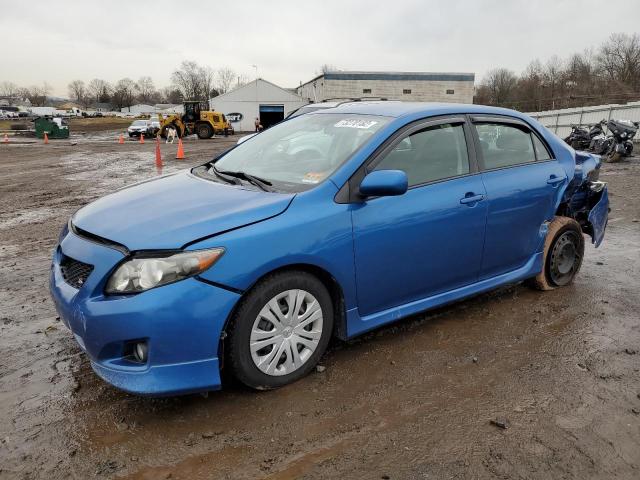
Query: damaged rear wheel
(563, 253)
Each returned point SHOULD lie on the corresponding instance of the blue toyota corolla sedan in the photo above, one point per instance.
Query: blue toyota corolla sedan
(330, 223)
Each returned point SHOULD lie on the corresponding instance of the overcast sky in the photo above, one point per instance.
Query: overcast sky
(289, 40)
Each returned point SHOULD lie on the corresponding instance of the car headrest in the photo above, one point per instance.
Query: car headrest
(513, 140)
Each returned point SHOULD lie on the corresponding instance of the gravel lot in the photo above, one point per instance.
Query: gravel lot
(424, 399)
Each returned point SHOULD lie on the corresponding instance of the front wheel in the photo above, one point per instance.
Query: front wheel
(563, 253)
(280, 330)
(204, 130)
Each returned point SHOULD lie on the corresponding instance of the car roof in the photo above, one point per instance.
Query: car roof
(400, 109)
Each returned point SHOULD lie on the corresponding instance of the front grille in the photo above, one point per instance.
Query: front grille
(74, 272)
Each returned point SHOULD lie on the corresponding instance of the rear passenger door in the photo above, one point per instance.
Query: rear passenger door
(523, 181)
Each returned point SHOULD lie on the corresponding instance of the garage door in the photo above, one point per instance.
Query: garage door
(271, 114)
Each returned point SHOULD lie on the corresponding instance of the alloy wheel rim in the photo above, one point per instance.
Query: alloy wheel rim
(286, 332)
(564, 258)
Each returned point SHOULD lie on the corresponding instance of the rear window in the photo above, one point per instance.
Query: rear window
(541, 151)
(504, 145)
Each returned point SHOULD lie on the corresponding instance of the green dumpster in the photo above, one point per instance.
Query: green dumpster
(55, 127)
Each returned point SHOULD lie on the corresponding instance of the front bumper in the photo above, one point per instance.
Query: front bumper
(181, 323)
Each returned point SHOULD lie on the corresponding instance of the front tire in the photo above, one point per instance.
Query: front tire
(563, 254)
(280, 330)
(204, 131)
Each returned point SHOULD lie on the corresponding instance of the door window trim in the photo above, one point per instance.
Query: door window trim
(349, 193)
(506, 120)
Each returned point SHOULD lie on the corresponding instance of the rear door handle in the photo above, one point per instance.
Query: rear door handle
(553, 180)
(471, 198)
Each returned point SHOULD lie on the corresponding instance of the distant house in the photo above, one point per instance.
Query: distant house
(102, 107)
(6, 101)
(69, 106)
(139, 109)
(168, 108)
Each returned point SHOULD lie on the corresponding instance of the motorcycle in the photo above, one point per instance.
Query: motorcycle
(622, 133)
(581, 139)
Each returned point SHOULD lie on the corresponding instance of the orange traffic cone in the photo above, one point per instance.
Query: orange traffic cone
(6, 138)
(46, 138)
(121, 139)
(158, 155)
(180, 154)
(142, 138)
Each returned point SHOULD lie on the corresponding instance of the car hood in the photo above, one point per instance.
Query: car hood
(171, 211)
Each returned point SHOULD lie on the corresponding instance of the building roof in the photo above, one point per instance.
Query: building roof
(410, 76)
(281, 93)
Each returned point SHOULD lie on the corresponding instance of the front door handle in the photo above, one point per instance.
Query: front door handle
(471, 198)
(553, 180)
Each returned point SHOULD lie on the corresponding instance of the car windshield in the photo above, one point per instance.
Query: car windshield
(309, 109)
(139, 123)
(297, 154)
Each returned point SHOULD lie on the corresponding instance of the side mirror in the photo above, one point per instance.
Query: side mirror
(384, 183)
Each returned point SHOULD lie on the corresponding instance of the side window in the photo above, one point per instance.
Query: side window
(432, 154)
(504, 145)
(216, 118)
(541, 151)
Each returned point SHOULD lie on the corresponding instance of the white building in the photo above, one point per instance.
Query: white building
(405, 86)
(139, 109)
(258, 99)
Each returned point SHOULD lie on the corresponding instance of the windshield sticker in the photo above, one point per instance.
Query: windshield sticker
(355, 123)
(312, 177)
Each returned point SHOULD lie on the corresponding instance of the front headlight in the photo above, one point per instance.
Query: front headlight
(143, 273)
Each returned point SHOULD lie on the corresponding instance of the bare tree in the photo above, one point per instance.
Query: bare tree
(193, 81)
(37, 95)
(225, 78)
(208, 88)
(619, 59)
(328, 68)
(77, 91)
(171, 95)
(610, 75)
(99, 90)
(500, 83)
(553, 73)
(146, 90)
(124, 93)
(9, 89)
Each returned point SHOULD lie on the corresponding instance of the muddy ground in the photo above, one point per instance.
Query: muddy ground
(412, 401)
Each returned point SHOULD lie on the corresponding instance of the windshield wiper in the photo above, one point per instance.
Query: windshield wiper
(257, 181)
(227, 178)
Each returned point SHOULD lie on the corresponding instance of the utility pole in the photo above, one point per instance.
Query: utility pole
(257, 106)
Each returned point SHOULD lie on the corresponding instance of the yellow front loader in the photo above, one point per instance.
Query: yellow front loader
(198, 119)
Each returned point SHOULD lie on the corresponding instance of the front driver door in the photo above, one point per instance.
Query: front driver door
(428, 240)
